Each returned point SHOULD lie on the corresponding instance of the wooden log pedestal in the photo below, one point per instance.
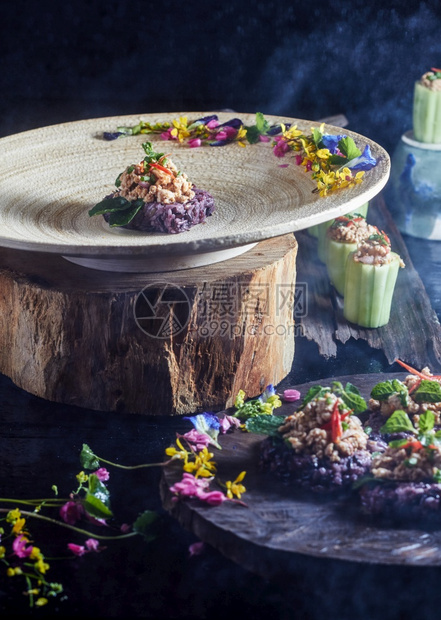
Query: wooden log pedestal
(158, 344)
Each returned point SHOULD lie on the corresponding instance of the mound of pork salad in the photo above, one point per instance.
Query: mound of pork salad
(417, 393)
(154, 196)
(322, 446)
(405, 479)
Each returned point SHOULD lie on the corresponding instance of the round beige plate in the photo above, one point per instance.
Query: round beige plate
(51, 177)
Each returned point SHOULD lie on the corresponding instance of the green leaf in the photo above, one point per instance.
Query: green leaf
(250, 409)
(426, 421)
(121, 218)
(317, 136)
(315, 392)
(88, 459)
(95, 507)
(398, 422)
(398, 443)
(152, 155)
(253, 134)
(348, 148)
(350, 395)
(262, 124)
(337, 160)
(143, 524)
(109, 205)
(383, 390)
(264, 424)
(428, 392)
(97, 499)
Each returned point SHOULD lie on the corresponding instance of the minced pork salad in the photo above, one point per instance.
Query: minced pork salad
(154, 196)
(386, 453)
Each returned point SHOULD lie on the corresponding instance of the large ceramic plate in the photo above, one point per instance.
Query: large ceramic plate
(51, 177)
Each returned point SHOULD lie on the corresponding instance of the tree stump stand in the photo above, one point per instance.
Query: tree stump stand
(158, 344)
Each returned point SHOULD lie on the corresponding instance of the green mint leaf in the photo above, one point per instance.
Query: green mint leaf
(261, 123)
(109, 205)
(437, 475)
(398, 422)
(354, 402)
(350, 388)
(337, 160)
(348, 148)
(384, 389)
(151, 154)
(88, 459)
(428, 392)
(398, 443)
(426, 421)
(121, 218)
(143, 524)
(264, 424)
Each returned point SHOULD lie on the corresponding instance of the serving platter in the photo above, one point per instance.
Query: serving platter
(51, 177)
(279, 526)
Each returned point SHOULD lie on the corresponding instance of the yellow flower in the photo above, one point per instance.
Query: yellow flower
(36, 554)
(240, 399)
(41, 601)
(291, 133)
(13, 515)
(82, 477)
(202, 466)
(41, 566)
(11, 572)
(235, 488)
(18, 526)
(323, 153)
(177, 454)
(180, 125)
(2, 552)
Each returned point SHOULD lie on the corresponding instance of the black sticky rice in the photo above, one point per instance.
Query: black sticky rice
(402, 501)
(173, 218)
(320, 475)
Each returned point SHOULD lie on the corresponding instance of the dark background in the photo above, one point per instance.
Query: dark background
(72, 60)
(65, 61)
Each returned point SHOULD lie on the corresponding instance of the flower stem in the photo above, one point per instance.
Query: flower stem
(162, 464)
(36, 502)
(79, 530)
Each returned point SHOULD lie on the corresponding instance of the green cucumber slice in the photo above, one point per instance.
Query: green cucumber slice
(336, 256)
(426, 114)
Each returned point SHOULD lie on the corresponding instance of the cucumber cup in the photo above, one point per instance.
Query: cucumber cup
(427, 109)
(369, 290)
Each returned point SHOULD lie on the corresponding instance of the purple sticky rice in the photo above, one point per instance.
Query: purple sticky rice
(402, 501)
(309, 472)
(173, 218)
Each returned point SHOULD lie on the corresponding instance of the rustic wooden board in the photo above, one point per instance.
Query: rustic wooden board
(279, 526)
(413, 333)
(69, 334)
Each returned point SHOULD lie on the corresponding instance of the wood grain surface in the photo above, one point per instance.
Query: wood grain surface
(69, 334)
(413, 333)
(279, 525)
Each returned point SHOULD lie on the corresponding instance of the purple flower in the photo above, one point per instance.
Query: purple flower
(71, 512)
(102, 474)
(268, 392)
(227, 422)
(281, 147)
(365, 161)
(197, 440)
(196, 548)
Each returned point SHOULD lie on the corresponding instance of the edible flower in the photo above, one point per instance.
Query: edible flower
(207, 424)
(365, 161)
(235, 488)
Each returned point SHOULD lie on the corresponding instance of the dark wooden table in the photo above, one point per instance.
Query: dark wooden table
(39, 446)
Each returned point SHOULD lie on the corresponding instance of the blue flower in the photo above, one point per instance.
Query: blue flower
(331, 142)
(269, 391)
(365, 161)
(207, 424)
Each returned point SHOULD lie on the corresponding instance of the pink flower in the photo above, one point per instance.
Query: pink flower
(190, 486)
(196, 548)
(281, 147)
(264, 138)
(78, 550)
(92, 544)
(283, 165)
(197, 439)
(194, 143)
(212, 124)
(213, 498)
(299, 159)
(71, 512)
(125, 528)
(227, 422)
(19, 547)
(102, 474)
(308, 166)
(167, 135)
